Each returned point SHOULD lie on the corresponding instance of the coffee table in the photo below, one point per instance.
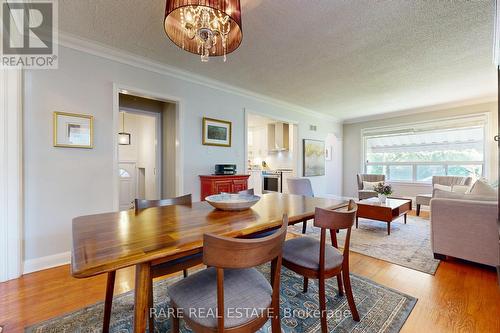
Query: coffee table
(387, 212)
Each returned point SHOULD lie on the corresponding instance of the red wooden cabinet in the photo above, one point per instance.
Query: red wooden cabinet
(214, 184)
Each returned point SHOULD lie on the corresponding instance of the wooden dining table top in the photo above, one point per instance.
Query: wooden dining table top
(110, 241)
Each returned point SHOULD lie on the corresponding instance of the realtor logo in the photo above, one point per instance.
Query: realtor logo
(29, 32)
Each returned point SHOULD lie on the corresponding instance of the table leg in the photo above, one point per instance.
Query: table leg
(110, 285)
(389, 228)
(356, 222)
(142, 285)
(405, 217)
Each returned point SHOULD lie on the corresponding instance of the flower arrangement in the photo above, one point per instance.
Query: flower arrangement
(384, 189)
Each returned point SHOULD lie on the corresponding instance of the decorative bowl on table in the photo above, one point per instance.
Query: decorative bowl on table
(232, 202)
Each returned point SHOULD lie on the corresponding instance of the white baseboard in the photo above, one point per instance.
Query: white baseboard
(38, 264)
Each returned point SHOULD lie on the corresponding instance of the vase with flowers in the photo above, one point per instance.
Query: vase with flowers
(383, 191)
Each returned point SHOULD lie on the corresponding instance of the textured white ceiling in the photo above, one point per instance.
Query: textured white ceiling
(345, 58)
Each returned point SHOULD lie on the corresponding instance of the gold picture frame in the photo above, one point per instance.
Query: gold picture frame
(77, 132)
(217, 132)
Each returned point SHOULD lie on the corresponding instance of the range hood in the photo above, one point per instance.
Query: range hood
(278, 137)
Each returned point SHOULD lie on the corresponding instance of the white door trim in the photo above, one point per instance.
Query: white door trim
(11, 173)
(179, 158)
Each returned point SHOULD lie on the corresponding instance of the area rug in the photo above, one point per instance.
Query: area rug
(381, 309)
(408, 244)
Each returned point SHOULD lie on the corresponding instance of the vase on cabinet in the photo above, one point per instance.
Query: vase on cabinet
(382, 198)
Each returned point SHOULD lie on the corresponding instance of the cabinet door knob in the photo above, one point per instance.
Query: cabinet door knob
(496, 138)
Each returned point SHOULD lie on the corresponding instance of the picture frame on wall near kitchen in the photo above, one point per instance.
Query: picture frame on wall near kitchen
(313, 158)
(73, 130)
(217, 132)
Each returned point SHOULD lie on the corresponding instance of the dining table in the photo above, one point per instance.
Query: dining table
(104, 243)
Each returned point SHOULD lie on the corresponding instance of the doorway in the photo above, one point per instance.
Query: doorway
(272, 152)
(147, 149)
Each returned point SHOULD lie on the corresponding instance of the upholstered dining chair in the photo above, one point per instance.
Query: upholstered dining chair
(366, 193)
(232, 282)
(250, 191)
(300, 186)
(157, 270)
(317, 260)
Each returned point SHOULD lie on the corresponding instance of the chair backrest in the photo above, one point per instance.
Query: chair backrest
(143, 204)
(451, 180)
(300, 186)
(224, 252)
(369, 178)
(250, 191)
(335, 220)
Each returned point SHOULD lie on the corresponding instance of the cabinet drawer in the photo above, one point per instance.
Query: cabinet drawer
(239, 185)
(222, 186)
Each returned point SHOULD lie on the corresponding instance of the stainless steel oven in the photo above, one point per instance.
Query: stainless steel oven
(272, 181)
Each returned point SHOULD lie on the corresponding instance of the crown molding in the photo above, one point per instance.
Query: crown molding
(124, 57)
(430, 108)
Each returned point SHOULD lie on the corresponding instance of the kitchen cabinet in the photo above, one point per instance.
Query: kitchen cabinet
(285, 176)
(255, 181)
(278, 137)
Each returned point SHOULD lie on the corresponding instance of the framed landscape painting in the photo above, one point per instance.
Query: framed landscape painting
(314, 158)
(216, 132)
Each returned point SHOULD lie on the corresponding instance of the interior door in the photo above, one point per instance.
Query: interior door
(128, 185)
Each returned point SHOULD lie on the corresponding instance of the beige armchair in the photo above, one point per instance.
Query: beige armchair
(425, 199)
(368, 193)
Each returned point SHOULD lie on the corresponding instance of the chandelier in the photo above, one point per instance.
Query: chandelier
(208, 28)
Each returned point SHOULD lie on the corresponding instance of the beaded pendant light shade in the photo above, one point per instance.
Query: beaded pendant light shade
(206, 27)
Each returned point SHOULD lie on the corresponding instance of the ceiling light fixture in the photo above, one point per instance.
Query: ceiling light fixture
(123, 137)
(205, 27)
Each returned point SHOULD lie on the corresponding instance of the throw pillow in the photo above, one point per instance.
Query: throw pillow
(370, 185)
(481, 187)
(442, 187)
(462, 189)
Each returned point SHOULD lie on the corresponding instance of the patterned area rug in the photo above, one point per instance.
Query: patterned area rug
(381, 309)
(408, 244)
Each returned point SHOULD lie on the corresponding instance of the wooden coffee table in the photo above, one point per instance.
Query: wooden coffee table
(386, 212)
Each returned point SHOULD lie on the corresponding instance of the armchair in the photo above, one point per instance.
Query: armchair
(425, 199)
(368, 193)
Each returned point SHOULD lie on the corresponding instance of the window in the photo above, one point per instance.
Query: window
(418, 152)
(124, 173)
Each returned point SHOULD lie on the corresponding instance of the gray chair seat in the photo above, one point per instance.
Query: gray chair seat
(243, 289)
(424, 199)
(367, 194)
(304, 251)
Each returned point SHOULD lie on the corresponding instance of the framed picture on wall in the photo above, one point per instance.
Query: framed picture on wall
(73, 130)
(314, 158)
(216, 132)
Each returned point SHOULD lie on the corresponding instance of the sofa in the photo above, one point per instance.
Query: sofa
(425, 199)
(366, 193)
(465, 226)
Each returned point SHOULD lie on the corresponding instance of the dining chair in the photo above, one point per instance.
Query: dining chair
(250, 191)
(162, 269)
(316, 260)
(232, 282)
(300, 186)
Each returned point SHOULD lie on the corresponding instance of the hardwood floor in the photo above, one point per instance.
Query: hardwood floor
(461, 297)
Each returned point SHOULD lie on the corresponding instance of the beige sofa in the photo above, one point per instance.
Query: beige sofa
(364, 193)
(465, 226)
